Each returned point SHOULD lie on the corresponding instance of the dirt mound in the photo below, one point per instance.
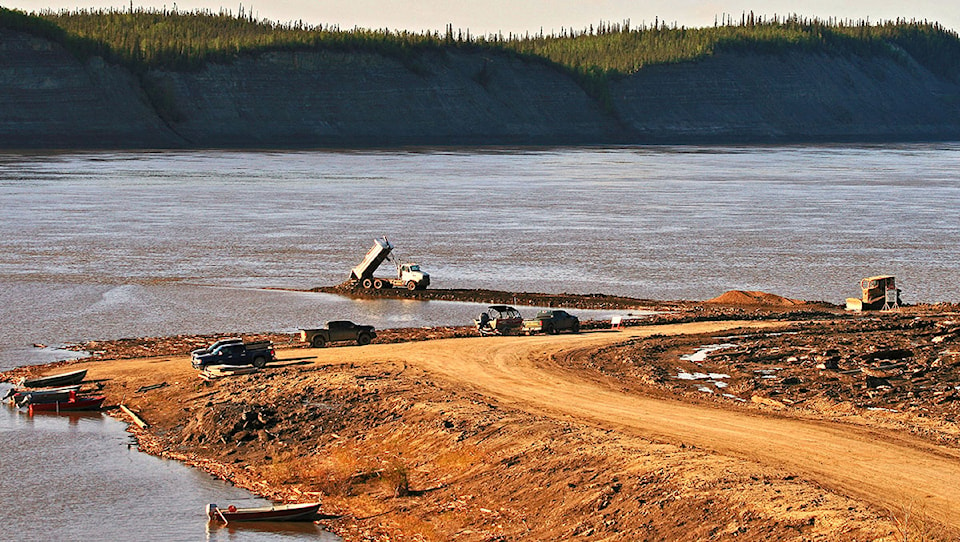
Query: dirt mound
(740, 297)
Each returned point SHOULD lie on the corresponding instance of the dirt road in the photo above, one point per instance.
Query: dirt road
(889, 470)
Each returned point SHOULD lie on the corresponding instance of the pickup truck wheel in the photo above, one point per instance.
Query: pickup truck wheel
(318, 341)
(576, 328)
(411, 285)
(363, 339)
(259, 362)
(367, 283)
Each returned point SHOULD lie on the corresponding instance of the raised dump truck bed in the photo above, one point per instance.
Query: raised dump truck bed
(371, 262)
(409, 275)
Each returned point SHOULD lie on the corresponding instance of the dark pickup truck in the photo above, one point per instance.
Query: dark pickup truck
(232, 352)
(336, 331)
(552, 321)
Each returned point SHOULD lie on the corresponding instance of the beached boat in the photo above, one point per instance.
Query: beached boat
(77, 403)
(15, 394)
(280, 512)
(63, 379)
(44, 395)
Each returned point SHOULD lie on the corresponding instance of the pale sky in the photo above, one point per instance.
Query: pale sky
(519, 16)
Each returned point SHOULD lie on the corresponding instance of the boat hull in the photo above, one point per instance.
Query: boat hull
(80, 403)
(287, 512)
(64, 379)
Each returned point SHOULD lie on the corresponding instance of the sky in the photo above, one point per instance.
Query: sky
(521, 16)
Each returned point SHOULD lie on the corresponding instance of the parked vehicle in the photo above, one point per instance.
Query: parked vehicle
(284, 512)
(876, 293)
(499, 320)
(552, 322)
(214, 346)
(336, 331)
(409, 275)
(63, 379)
(257, 354)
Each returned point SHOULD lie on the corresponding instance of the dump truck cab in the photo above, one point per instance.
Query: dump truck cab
(877, 293)
(411, 277)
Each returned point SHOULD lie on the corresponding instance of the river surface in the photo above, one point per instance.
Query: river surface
(105, 245)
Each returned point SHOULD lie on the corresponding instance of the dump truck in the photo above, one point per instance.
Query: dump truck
(409, 275)
(877, 293)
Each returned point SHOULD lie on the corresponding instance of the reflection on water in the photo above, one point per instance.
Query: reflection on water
(78, 476)
(289, 529)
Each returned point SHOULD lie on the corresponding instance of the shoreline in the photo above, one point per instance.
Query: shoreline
(397, 447)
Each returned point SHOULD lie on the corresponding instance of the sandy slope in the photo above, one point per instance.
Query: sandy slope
(879, 467)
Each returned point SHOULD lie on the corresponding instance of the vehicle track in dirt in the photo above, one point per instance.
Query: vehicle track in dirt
(888, 470)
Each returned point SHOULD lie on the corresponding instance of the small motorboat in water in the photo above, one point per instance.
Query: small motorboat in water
(39, 395)
(70, 405)
(279, 512)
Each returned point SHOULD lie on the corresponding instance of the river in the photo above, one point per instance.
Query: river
(104, 245)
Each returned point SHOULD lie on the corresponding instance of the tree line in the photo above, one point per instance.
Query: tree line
(144, 39)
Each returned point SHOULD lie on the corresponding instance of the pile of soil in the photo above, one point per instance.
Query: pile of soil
(740, 297)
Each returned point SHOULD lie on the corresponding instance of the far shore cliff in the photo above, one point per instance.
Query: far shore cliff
(52, 100)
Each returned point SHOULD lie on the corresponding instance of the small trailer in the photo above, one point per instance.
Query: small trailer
(409, 275)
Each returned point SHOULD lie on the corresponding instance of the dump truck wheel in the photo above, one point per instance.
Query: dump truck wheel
(411, 285)
(318, 341)
(377, 284)
(363, 339)
(259, 362)
(367, 283)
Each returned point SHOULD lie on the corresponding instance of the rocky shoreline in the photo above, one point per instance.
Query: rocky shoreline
(397, 452)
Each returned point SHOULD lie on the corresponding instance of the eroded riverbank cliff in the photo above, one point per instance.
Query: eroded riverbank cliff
(328, 98)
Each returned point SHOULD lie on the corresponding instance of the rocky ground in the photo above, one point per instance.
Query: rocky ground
(397, 452)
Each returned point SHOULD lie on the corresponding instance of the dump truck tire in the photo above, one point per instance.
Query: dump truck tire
(367, 283)
(377, 284)
(411, 285)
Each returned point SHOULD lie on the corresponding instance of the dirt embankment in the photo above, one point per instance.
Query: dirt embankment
(333, 98)
(801, 426)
